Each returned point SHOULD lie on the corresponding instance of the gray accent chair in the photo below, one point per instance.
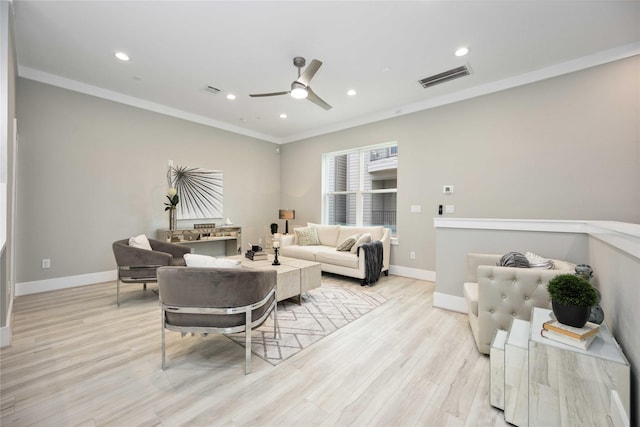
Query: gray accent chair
(216, 301)
(137, 265)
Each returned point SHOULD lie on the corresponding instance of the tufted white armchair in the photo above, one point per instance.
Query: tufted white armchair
(497, 295)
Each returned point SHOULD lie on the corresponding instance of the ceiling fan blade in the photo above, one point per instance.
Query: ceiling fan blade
(316, 99)
(309, 72)
(258, 95)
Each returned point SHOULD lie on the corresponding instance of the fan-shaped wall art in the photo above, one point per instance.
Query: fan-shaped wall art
(199, 190)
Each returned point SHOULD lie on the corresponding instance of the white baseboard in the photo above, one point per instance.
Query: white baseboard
(449, 302)
(413, 273)
(38, 286)
(5, 331)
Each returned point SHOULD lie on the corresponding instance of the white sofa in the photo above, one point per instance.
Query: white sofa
(346, 263)
(497, 295)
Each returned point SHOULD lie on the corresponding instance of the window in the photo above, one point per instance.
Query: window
(360, 186)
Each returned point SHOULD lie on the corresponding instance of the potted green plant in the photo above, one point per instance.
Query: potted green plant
(571, 299)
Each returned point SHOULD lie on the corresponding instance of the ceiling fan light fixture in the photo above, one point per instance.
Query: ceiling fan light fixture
(298, 90)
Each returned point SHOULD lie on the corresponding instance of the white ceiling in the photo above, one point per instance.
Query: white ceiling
(380, 49)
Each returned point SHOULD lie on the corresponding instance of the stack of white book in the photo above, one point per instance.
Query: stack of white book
(576, 337)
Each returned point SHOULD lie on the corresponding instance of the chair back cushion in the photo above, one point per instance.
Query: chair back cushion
(213, 288)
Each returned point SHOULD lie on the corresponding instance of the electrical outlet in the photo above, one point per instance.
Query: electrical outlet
(412, 255)
(46, 263)
(449, 209)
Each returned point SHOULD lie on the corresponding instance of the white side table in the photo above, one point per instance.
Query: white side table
(571, 386)
(516, 397)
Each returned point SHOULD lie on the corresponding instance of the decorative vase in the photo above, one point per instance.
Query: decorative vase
(571, 315)
(172, 218)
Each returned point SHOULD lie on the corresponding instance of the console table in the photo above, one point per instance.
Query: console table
(207, 241)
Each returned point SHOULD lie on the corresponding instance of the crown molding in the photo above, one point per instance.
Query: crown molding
(567, 67)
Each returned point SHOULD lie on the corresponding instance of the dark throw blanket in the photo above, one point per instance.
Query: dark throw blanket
(372, 261)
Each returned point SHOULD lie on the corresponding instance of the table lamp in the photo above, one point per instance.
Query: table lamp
(287, 214)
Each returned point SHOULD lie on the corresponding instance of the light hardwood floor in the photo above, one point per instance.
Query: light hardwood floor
(78, 360)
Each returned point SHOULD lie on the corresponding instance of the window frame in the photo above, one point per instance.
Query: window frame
(359, 192)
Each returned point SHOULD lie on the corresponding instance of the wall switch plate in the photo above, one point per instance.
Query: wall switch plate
(447, 189)
(416, 209)
(449, 209)
(412, 255)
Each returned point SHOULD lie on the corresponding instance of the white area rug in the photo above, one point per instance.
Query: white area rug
(323, 311)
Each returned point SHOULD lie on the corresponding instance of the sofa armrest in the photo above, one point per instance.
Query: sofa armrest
(386, 248)
(287, 240)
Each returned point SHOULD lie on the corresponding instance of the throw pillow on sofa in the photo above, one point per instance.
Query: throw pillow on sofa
(364, 238)
(307, 236)
(347, 243)
(513, 259)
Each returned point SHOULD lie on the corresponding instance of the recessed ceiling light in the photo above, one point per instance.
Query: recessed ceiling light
(122, 56)
(386, 69)
(231, 96)
(351, 92)
(283, 116)
(462, 51)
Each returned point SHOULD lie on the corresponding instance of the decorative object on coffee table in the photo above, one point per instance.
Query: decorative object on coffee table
(276, 249)
(287, 214)
(572, 298)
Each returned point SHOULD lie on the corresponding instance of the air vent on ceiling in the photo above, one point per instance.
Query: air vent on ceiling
(212, 90)
(445, 76)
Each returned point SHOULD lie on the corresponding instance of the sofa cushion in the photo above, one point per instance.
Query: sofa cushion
(329, 255)
(364, 238)
(327, 234)
(345, 231)
(513, 259)
(301, 252)
(307, 236)
(141, 242)
(347, 243)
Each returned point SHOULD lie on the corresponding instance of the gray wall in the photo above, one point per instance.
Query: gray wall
(454, 245)
(93, 171)
(563, 148)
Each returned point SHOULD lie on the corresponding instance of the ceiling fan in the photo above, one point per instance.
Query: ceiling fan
(300, 88)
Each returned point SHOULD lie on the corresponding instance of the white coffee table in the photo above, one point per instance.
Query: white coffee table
(295, 276)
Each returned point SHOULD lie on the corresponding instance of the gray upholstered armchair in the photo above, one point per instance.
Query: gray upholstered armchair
(216, 301)
(137, 265)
